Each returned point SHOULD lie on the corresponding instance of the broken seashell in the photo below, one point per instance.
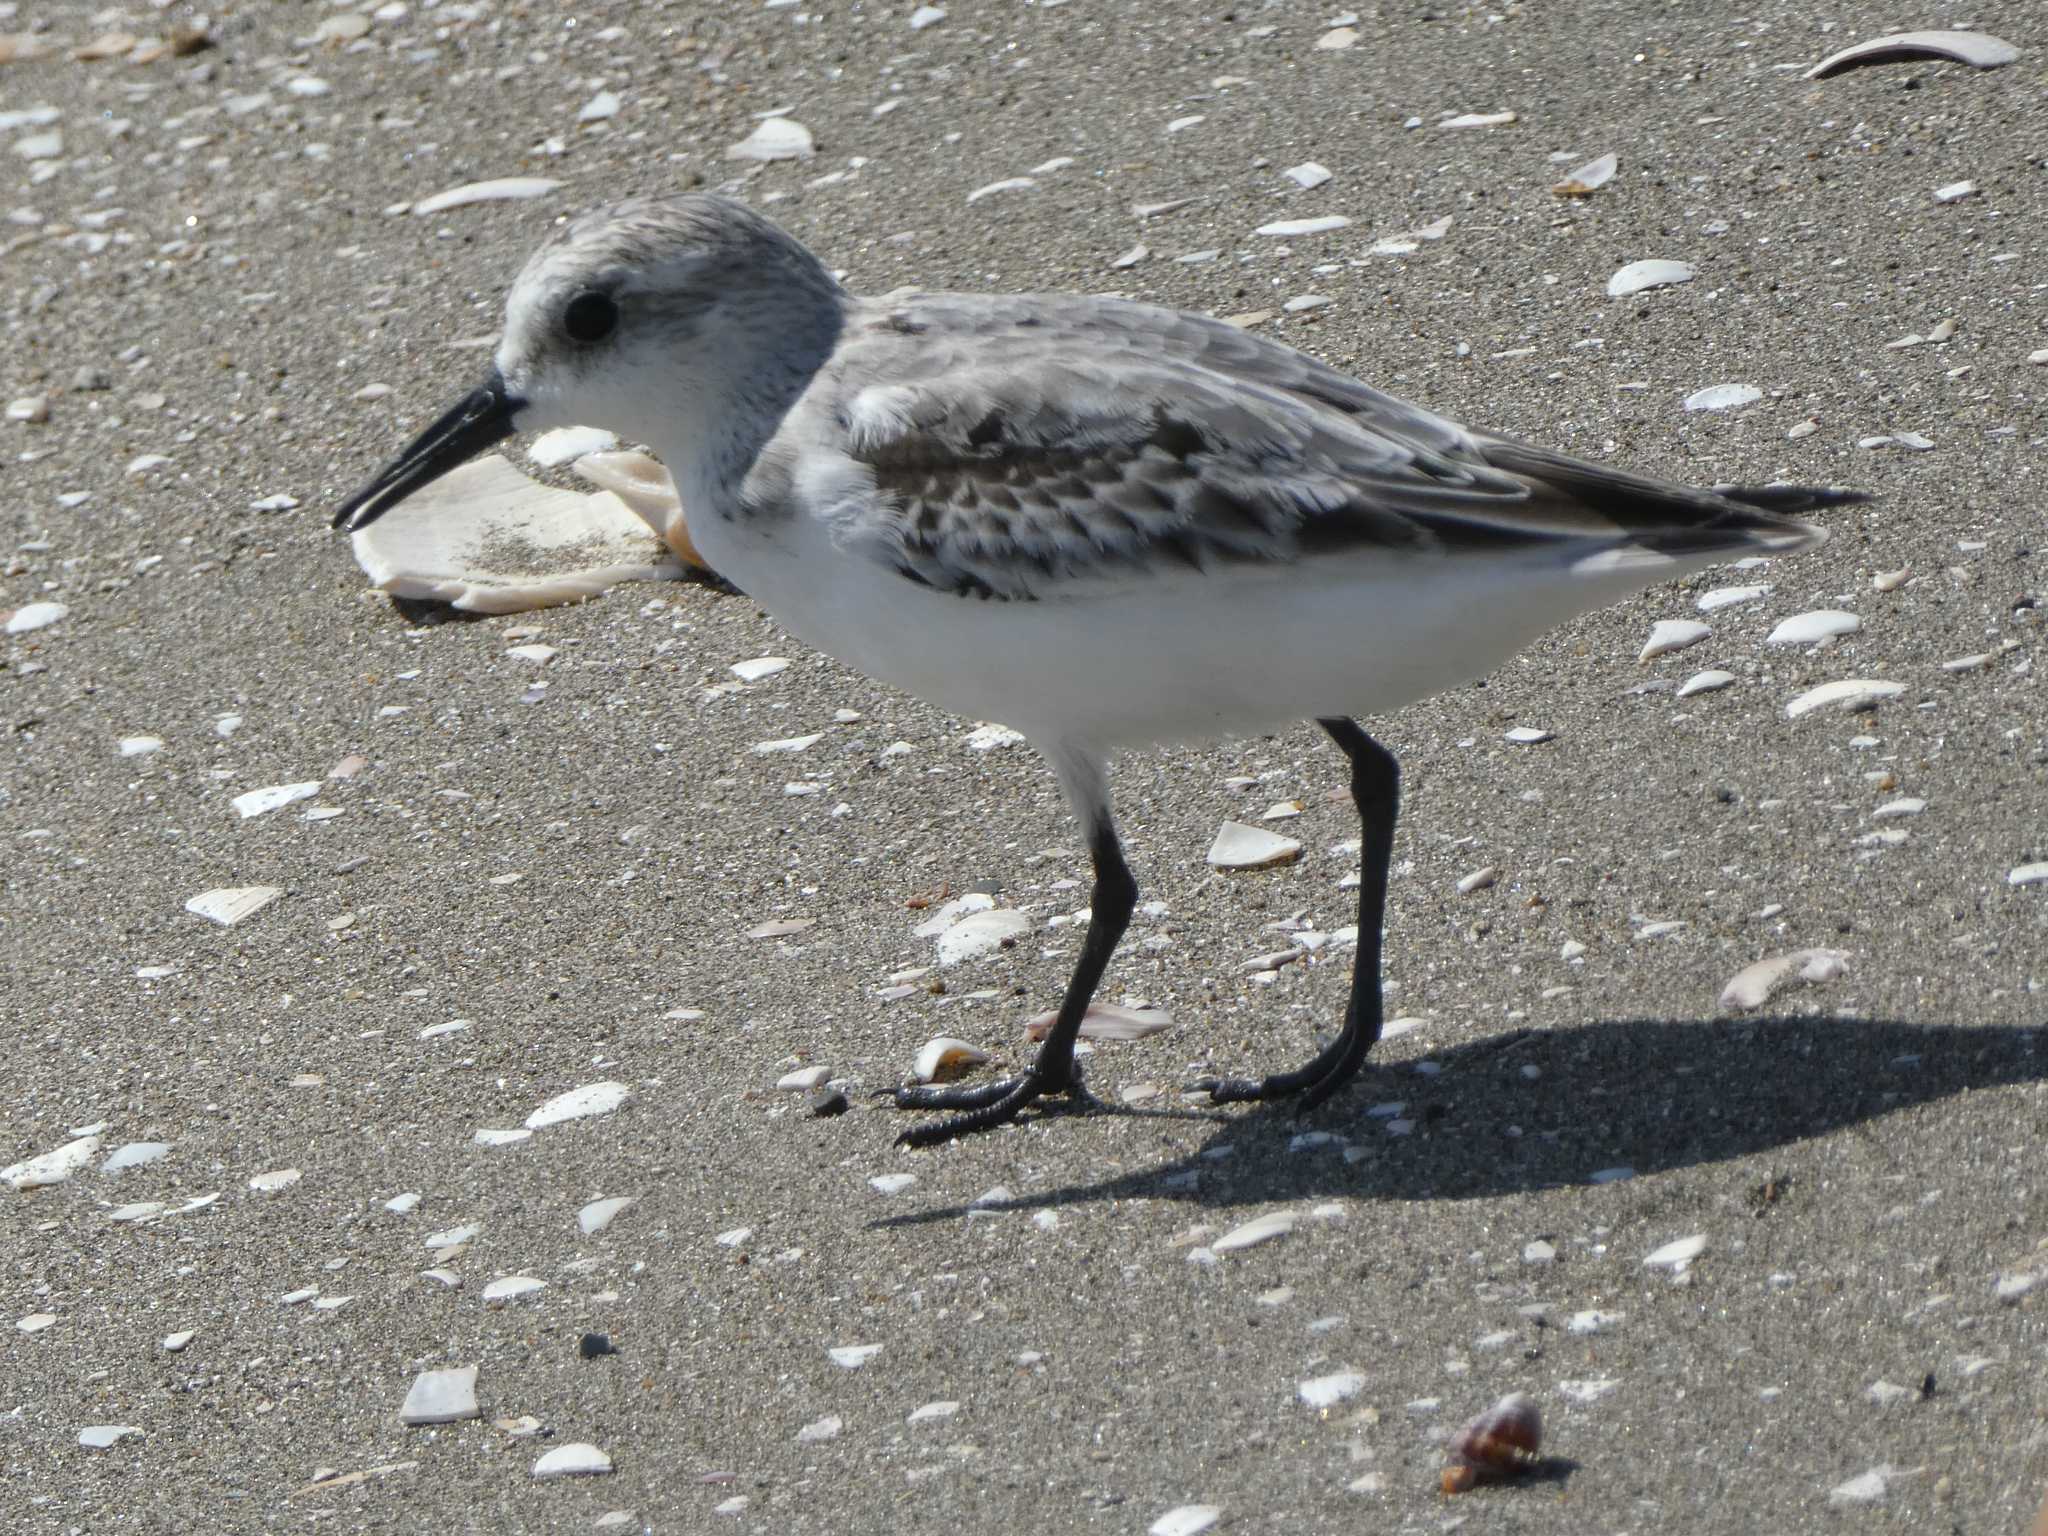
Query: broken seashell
(229, 904)
(639, 481)
(1754, 985)
(1238, 846)
(1980, 50)
(486, 539)
(1505, 1439)
(1588, 178)
(1668, 635)
(1850, 693)
(1106, 1021)
(505, 189)
(775, 138)
(1722, 397)
(1639, 275)
(943, 1058)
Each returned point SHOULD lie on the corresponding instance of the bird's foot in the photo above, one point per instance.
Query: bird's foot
(987, 1105)
(1314, 1088)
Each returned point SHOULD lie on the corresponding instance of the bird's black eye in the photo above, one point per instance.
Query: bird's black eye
(590, 317)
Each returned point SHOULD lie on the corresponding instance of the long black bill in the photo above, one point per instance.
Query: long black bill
(483, 417)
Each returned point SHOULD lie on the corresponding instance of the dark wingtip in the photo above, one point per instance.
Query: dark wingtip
(1791, 498)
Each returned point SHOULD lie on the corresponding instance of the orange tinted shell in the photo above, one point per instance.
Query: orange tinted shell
(1498, 1443)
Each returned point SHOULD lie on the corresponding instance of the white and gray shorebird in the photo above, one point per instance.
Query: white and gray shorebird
(1103, 523)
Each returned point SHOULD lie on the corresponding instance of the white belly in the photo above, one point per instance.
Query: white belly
(1140, 656)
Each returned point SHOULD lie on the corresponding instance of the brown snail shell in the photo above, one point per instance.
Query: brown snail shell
(1500, 1442)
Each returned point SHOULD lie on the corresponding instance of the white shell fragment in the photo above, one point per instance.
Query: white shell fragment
(259, 802)
(599, 1214)
(1675, 1256)
(757, 669)
(97, 1437)
(1955, 191)
(136, 1154)
(1640, 275)
(1728, 597)
(1007, 184)
(575, 1460)
(1865, 1487)
(852, 1357)
(1809, 628)
(1186, 1520)
(1980, 50)
(505, 189)
(1722, 397)
(578, 1104)
(1238, 846)
(1107, 1021)
(1307, 175)
(442, 1397)
(1321, 1392)
(1708, 681)
(512, 1287)
(775, 138)
(52, 1167)
(33, 616)
(275, 1180)
(645, 490)
(2028, 874)
(565, 444)
(1851, 693)
(1260, 1229)
(230, 904)
(1668, 635)
(1287, 228)
(981, 933)
(1478, 120)
(486, 539)
(945, 1057)
(1754, 985)
(1588, 179)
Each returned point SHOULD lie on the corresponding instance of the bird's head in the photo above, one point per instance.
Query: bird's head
(653, 318)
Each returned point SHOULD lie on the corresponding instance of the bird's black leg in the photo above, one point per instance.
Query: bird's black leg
(1376, 791)
(1109, 912)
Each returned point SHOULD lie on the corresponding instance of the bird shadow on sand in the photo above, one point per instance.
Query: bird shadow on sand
(1637, 1095)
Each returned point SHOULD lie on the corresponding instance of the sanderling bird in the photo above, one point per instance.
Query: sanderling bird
(1103, 523)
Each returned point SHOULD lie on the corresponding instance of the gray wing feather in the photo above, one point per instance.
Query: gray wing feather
(1016, 444)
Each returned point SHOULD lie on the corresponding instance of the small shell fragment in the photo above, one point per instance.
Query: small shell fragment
(1478, 120)
(33, 616)
(1722, 397)
(1498, 1443)
(1851, 693)
(1640, 275)
(1238, 846)
(1588, 179)
(1288, 228)
(57, 1165)
(944, 1057)
(578, 1103)
(775, 138)
(982, 933)
(1756, 983)
(1668, 635)
(259, 802)
(230, 904)
(1260, 1229)
(504, 189)
(1675, 1256)
(575, 1460)
(1980, 50)
(1186, 1520)
(1321, 1392)
(1107, 1021)
(1809, 628)
(1704, 682)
